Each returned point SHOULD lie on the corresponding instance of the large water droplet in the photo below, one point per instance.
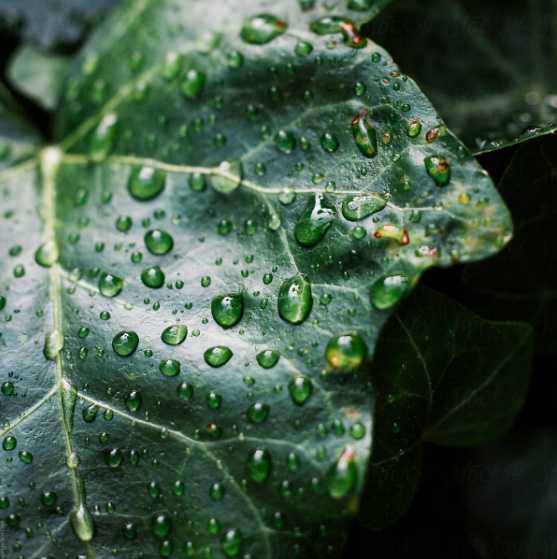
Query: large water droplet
(125, 343)
(110, 285)
(315, 221)
(262, 29)
(389, 290)
(295, 300)
(158, 242)
(227, 310)
(170, 367)
(343, 476)
(174, 335)
(53, 343)
(356, 208)
(438, 169)
(82, 523)
(218, 356)
(346, 352)
(300, 389)
(153, 277)
(268, 358)
(365, 134)
(338, 24)
(259, 465)
(228, 177)
(146, 183)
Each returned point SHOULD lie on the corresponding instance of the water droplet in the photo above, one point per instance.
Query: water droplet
(8, 388)
(158, 242)
(129, 531)
(216, 491)
(228, 177)
(346, 352)
(360, 5)
(295, 300)
(389, 290)
(258, 412)
(161, 526)
(218, 356)
(170, 367)
(47, 254)
(414, 127)
(104, 136)
(125, 343)
(185, 391)
(358, 431)
(53, 343)
(315, 221)
(398, 234)
(337, 24)
(174, 335)
(438, 169)
(49, 498)
(365, 134)
(303, 48)
(146, 183)
(9, 443)
(262, 29)
(300, 389)
(356, 208)
(197, 182)
(285, 141)
(134, 400)
(343, 476)
(25, 457)
(227, 310)
(259, 465)
(109, 285)
(153, 277)
(329, 142)
(193, 83)
(82, 523)
(268, 358)
(231, 543)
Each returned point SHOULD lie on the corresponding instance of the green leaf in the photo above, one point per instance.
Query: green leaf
(40, 76)
(201, 181)
(442, 375)
(520, 282)
(52, 24)
(487, 66)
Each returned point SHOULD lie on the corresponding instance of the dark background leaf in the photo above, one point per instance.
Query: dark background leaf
(487, 65)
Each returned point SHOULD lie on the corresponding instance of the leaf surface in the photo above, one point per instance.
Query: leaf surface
(205, 181)
(487, 68)
(442, 375)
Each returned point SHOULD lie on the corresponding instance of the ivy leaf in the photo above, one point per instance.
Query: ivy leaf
(520, 282)
(52, 24)
(442, 375)
(494, 85)
(238, 199)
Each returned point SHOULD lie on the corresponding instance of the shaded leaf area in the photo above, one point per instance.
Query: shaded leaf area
(519, 469)
(492, 83)
(39, 76)
(442, 375)
(52, 24)
(521, 283)
(226, 227)
(18, 140)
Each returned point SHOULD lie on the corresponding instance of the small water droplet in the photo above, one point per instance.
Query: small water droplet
(158, 242)
(153, 277)
(343, 476)
(300, 389)
(228, 177)
(356, 208)
(104, 136)
(231, 543)
(146, 183)
(438, 169)
(47, 254)
(110, 285)
(268, 358)
(259, 465)
(175, 334)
